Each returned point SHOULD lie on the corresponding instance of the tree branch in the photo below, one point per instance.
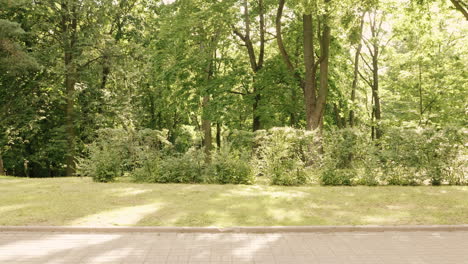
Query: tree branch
(235, 92)
(279, 37)
(364, 78)
(461, 6)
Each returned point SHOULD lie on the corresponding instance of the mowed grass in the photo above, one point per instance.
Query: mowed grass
(81, 202)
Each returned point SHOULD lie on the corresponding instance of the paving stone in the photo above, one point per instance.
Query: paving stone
(232, 248)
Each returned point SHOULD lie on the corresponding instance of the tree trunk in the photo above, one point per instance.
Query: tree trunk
(70, 120)
(375, 91)
(105, 73)
(461, 6)
(218, 135)
(279, 40)
(206, 127)
(2, 168)
(421, 111)
(355, 74)
(256, 118)
(292, 113)
(254, 64)
(69, 26)
(309, 62)
(317, 120)
(314, 101)
(372, 118)
(340, 121)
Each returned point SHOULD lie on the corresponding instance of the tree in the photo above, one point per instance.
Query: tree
(15, 64)
(256, 65)
(315, 93)
(356, 70)
(74, 27)
(374, 42)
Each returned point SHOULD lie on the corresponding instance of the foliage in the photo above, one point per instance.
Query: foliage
(116, 151)
(417, 156)
(404, 156)
(349, 158)
(283, 153)
(230, 166)
(180, 168)
(241, 140)
(226, 166)
(139, 87)
(338, 176)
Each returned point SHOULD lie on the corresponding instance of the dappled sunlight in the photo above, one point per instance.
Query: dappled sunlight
(396, 217)
(285, 215)
(323, 206)
(461, 188)
(123, 216)
(123, 192)
(395, 207)
(63, 201)
(14, 207)
(262, 191)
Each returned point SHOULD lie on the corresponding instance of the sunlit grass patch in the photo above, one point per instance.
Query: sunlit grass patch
(79, 201)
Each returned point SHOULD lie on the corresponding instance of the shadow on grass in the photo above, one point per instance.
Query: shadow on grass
(75, 201)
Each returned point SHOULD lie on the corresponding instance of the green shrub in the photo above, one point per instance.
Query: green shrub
(116, 151)
(241, 140)
(230, 166)
(283, 154)
(348, 158)
(338, 177)
(103, 164)
(186, 137)
(413, 156)
(180, 168)
(105, 156)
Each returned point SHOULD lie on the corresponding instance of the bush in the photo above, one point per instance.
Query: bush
(283, 153)
(403, 156)
(230, 166)
(105, 156)
(348, 158)
(103, 165)
(338, 177)
(181, 168)
(226, 166)
(186, 137)
(419, 156)
(241, 140)
(116, 151)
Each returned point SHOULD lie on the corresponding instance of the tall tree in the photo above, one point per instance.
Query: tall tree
(375, 45)
(255, 65)
(74, 27)
(15, 63)
(356, 71)
(315, 93)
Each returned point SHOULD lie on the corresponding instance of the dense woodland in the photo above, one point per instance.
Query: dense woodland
(227, 90)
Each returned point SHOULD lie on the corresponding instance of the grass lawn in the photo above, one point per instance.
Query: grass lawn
(81, 202)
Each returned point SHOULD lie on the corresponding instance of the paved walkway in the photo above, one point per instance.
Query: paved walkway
(294, 248)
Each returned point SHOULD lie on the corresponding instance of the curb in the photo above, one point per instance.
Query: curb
(241, 229)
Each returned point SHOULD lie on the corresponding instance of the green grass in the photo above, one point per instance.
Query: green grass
(79, 201)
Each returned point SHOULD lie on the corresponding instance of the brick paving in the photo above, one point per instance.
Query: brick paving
(294, 248)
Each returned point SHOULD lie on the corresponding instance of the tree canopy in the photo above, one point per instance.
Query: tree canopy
(209, 69)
